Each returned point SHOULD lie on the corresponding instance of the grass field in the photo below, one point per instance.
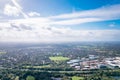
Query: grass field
(17, 78)
(77, 78)
(58, 58)
(44, 66)
(30, 78)
(2, 52)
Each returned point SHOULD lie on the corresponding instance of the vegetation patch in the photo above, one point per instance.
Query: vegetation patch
(2, 52)
(58, 58)
(44, 66)
(77, 78)
(30, 78)
(17, 78)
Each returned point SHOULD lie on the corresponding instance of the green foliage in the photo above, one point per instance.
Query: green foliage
(30, 78)
(100, 75)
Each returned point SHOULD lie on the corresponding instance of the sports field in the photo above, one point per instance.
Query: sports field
(58, 58)
(77, 78)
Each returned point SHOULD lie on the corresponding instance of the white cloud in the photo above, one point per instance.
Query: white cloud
(33, 21)
(16, 4)
(45, 29)
(37, 33)
(14, 10)
(77, 21)
(32, 14)
(11, 10)
(100, 14)
(19, 8)
(104, 12)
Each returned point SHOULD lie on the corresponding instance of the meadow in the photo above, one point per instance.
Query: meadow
(58, 58)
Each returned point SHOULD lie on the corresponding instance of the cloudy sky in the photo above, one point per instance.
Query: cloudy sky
(59, 20)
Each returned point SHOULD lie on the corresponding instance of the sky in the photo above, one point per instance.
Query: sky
(59, 20)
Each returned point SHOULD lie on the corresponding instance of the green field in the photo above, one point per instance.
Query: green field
(30, 78)
(44, 66)
(58, 58)
(17, 78)
(2, 52)
(77, 78)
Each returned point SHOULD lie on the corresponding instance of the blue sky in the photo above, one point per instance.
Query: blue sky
(59, 20)
(65, 6)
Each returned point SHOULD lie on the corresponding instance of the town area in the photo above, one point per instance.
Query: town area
(65, 61)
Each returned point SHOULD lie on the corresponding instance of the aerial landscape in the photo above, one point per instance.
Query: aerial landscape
(59, 39)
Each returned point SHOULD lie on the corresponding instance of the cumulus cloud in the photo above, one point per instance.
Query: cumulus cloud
(95, 15)
(29, 33)
(19, 8)
(14, 10)
(33, 28)
(21, 27)
(11, 10)
(32, 14)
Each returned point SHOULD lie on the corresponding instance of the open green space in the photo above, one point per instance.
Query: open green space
(30, 78)
(77, 78)
(17, 78)
(2, 52)
(58, 58)
(43, 66)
